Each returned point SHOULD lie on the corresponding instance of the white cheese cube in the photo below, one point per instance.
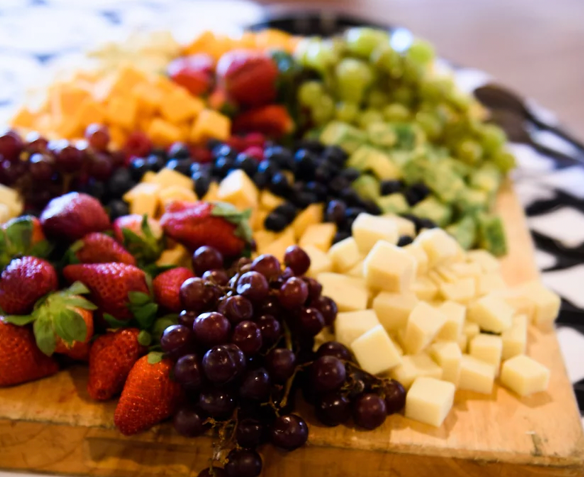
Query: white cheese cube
(423, 325)
(350, 325)
(388, 268)
(319, 261)
(309, 216)
(515, 338)
(435, 277)
(350, 294)
(425, 289)
(344, 255)
(375, 351)
(414, 366)
(237, 188)
(448, 356)
(319, 235)
(524, 375)
(491, 313)
(487, 348)
(488, 282)
(429, 401)
(546, 302)
(369, 229)
(455, 315)
(470, 330)
(476, 375)
(461, 291)
(446, 274)
(393, 309)
(11, 198)
(484, 259)
(515, 298)
(5, 213)
(270, 201)
(439, 246)
(465, 270)
(462, 343)
(404, 226)
(421, 258)
(357, 270)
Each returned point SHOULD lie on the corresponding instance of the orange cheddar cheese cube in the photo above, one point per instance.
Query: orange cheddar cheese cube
(90, 112)
(127, 78)
(148, 96)
(66, 98)
(118, 135)
(210, 125)
(179, 106)
(23, 119)
(121, 111)
(163, 133)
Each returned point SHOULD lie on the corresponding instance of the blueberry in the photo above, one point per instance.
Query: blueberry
(318, 189)
(275, 222)
(268, 167)
(335, 211)
(371, 207)
(351, 198)
(179, 150)
(335, 155)
(310, 144)
(119, 183)
(138, 167)
(324, 173)
(223, 165)
(199, 167)
(224, 151)
(306, 162)
(95, 189)
(412, 197)
(303, 199)
(352, 212)
(180, 165)
(404, 240)
(338, 184)
(427, 223)
(279, 185)
(159, 152)
(421, 189)
(340, 236)
(117, 208)
(287, 210)
(419, 222)
(201, 183)
(155, 162)
(260, 179)
(390, 187)
(247, 163)
(213, 143)
(280, 156)
(350, 173)
(416, 193)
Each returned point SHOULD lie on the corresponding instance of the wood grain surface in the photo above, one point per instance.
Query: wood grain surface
(52, 426)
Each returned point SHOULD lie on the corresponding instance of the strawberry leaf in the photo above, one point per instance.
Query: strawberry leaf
(114, 322)
(79, 302)
(236, 217)
(154, 270)
(19, 320)
(77, 288)
(155, 357)
(138, 298)
(146, 248)
(19, 233)
(70, 326)
(44, 336)
(145, 314)
(144, 338)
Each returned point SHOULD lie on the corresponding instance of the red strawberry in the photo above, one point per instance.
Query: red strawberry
(272, 120)
(20, 359)
(110, 285)
(23, 282)
(195, 73)
(78, 350)
(22, 236)
(149, 396)
(73, 216)
(219, 225)
(101, 248)
(140, 235)
(166, 287)
(249, 77)
(110, 360)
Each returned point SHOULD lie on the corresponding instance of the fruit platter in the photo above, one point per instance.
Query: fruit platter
(272, 255)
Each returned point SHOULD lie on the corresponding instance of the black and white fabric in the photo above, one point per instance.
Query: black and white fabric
(39, 36)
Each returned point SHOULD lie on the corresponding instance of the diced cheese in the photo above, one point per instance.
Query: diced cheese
(393, 309)
(461, 291)
(121, 111)
(448, 356)
(414, 366)
(11, 199)
(470, 330)
(148, 97)
(141, 188)
(463, 343)
(263, 238)
(375, 351)
(350, 325)
(446, 274)
(476, 375)
(421, 258)
(259, 218)
(455, 315)
(484, 259)
(388, 268)
(174, 256)
(524, 375)
(425, 289)
(464, 270)
(168, 177)
(278, 247)
(319, 235)
(357, 270)
(515, 298)
(177, 192)
(163, 133)
(487, 348)
(211, 195)
(210, 124)
(369, 229)
(319, 261)
(546, 302)
(144, 203)
(429, 401)
(489, 282)
(312, 215)
(404, 226)
(238, 189)
(439, 246)
(350, 294)
(423, 325)
(344, 255)
(491, 313)
(515, 338)
(179, 106)
(270, 201)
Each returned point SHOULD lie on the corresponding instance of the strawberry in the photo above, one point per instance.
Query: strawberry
(195, 73)
(248, 77)
(110, 360)
(272, 120)
(111, 286)
(141, 235)
(219, 225)
(20, 359)
(73, 216)
(166, 287)
(149, 395)
(23, 282)
(100, 248)
(78, 350)
(22, 236)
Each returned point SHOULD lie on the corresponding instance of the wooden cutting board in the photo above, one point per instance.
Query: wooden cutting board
(52, 426)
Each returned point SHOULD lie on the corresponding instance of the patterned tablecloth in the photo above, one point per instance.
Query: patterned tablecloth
(38, 37)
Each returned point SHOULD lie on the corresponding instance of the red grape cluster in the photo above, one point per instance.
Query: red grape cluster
(243, 347)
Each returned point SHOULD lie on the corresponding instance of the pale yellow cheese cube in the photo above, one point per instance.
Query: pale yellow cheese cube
(420, 256)
(463, 343)
(11, 199)
(446, 273)
(515, 338)
(350, 325)
(270, 201)
(350, 294)
(423, 325)
(212, 193)
(524, 375)
(278, 247)
(429, 401)
(546, 302)
(448, 356)
(393, 309)
(491, 313)
(177, 192)
(487, 348)
(259, 217)
(520, 303)
(319, 235)
(238, 189)
(375, 351)
(5, 214)
(488, 282)
(464, 270)
(484, 259)
(143, 188)
(388, 268)
(461, 291)
(344, 255)
(414, 366)
(320, 262)
(404, 226)
(263, 238)
(357, 270)
(425, 289)
(169, 177)
(144, 203)
(369, 229)
(439, 246)
(455, 316)
(476, 375)
(309, 216)
(470, 330)
(435, 277)
(178, 255)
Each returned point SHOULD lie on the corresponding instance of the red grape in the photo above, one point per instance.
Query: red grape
(327, 374)
(211, 329)
(243, 463)
(310, 322)
(270, 306)
(255, 385)
(249, 433)
(267, 265)
(327, 307)
(248, 337)
(333, 409)
(188, 372)
(314, 288)
(98, 137)
(395, 396)
(11, 145)
(280, 363)
(336, 349)
(100, 166)
(68, 158)
(177, 340)
(289, 432)
(10, 172)
(369, 411)
(218, 403)
(41, 167)
(198, 295)
(219, 366)
(293, 293)
(253, 285)
(206, 258)
(187, 318)
(236, 308)
(36, 143)
(270, 328)
(216, 275)
(188, 422)
(297, 259)
(237, 356)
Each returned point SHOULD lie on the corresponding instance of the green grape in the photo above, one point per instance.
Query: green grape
(458, 99)
(430, 124)
(421, 52)
(362, 41)
(492, 138)
(403, 95)
(387, 60)
(377, 98)
(323, 111)
(505, 161)
(368, 117)
(346, 111)
(353, 77)
(320, 56)
(309, 93)
(469, 151)
(435, 89)
(412, 72)
(396, 112)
